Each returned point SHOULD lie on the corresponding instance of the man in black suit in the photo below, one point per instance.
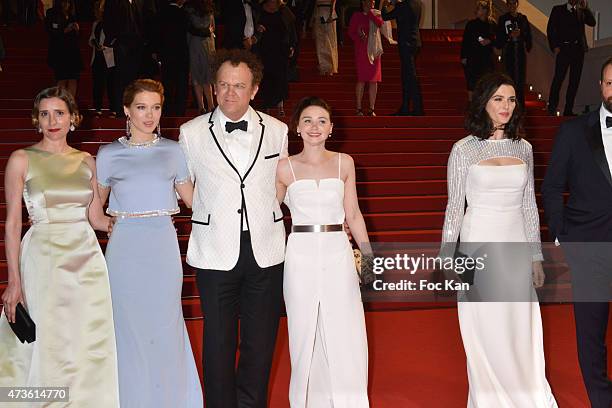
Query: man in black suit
(567, 40)
(580, 160)
(174, 57)
(126, 24)
(407, 14)
(239, 17)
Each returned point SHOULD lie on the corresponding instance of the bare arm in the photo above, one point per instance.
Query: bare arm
(103, 193)
(283, 179)
(185, 191)
(14, 176)
(95, 213)
(354, 218)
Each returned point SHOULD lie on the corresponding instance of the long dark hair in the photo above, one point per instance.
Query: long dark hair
(477, 120)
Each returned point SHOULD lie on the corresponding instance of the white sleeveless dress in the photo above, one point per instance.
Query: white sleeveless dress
(327, 335)
(503, 341)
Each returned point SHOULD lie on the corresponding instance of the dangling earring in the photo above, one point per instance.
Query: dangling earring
(158, 130)
(39, 130)
(128, 131)
(299, 134)
(328, 136)
(72, 127)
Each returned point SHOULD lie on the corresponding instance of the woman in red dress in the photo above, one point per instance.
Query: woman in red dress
(370, 72)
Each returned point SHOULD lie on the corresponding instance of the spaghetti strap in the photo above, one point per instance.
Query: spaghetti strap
(291, 167)
(339, 162)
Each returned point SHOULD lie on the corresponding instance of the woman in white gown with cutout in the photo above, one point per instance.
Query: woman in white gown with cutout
(327, 335)
(493, 170)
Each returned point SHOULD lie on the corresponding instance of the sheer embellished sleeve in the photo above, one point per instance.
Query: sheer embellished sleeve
(530, 209)
(456, 177)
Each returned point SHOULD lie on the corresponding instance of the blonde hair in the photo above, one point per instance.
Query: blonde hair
(485, 5)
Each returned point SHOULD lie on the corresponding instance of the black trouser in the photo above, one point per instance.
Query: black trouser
(591, 267)
(174, 78)
(102, 79)
(411, 89)
(570, 57)
(127, 61)
(591, 326)
(28, 13)
(254, 294)
(515, 63)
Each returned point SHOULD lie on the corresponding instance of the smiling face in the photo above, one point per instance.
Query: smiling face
(144, 112)
(234, 89)
(606, 88)
(501, 105)
(314, 125)
(54, 118)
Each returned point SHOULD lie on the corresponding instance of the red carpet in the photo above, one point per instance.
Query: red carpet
(416, 355)
(417, 359)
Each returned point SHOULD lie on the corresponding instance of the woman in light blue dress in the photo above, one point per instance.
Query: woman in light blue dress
(142, 173)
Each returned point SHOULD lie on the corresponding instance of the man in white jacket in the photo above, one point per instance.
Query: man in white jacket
(237, 239)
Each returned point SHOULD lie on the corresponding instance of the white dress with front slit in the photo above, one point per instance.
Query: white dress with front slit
(503, 339)
(327, 335)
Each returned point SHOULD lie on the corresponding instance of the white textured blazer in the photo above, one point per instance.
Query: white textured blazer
(223, 196)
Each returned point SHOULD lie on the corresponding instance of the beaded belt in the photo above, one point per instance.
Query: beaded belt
(317, 228)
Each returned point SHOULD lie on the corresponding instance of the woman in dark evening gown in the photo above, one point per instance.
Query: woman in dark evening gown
(276, 45)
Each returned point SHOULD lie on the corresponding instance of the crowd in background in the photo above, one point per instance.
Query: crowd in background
(175, 40)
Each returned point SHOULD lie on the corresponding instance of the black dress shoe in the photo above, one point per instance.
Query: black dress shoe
(417, 113)
(569, 114)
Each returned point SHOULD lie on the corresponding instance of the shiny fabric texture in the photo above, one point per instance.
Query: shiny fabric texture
(66, 290)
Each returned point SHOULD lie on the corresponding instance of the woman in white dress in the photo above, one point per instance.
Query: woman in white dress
(324, 19)
(493, 170)
(327, 335)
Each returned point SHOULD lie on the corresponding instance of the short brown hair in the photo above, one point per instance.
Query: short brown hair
(60, 93)
(605, 65)
(235, 57)
(142, 85)
(303, 104)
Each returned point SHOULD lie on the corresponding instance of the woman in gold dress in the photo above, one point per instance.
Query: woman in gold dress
(59, 273)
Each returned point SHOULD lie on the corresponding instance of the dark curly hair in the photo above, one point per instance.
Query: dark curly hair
(303, 104)
(478, 122)
(60, 93)
(235, 57)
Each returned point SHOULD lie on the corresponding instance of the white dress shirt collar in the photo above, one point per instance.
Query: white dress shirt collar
(603, 113)
(224, 119)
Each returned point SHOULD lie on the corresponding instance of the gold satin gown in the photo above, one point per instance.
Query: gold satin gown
(66, 290)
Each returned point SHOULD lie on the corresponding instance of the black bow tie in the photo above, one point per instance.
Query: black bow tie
(231, 126)
(608, 121)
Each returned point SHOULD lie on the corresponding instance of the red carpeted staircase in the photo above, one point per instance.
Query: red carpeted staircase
(416, 354)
